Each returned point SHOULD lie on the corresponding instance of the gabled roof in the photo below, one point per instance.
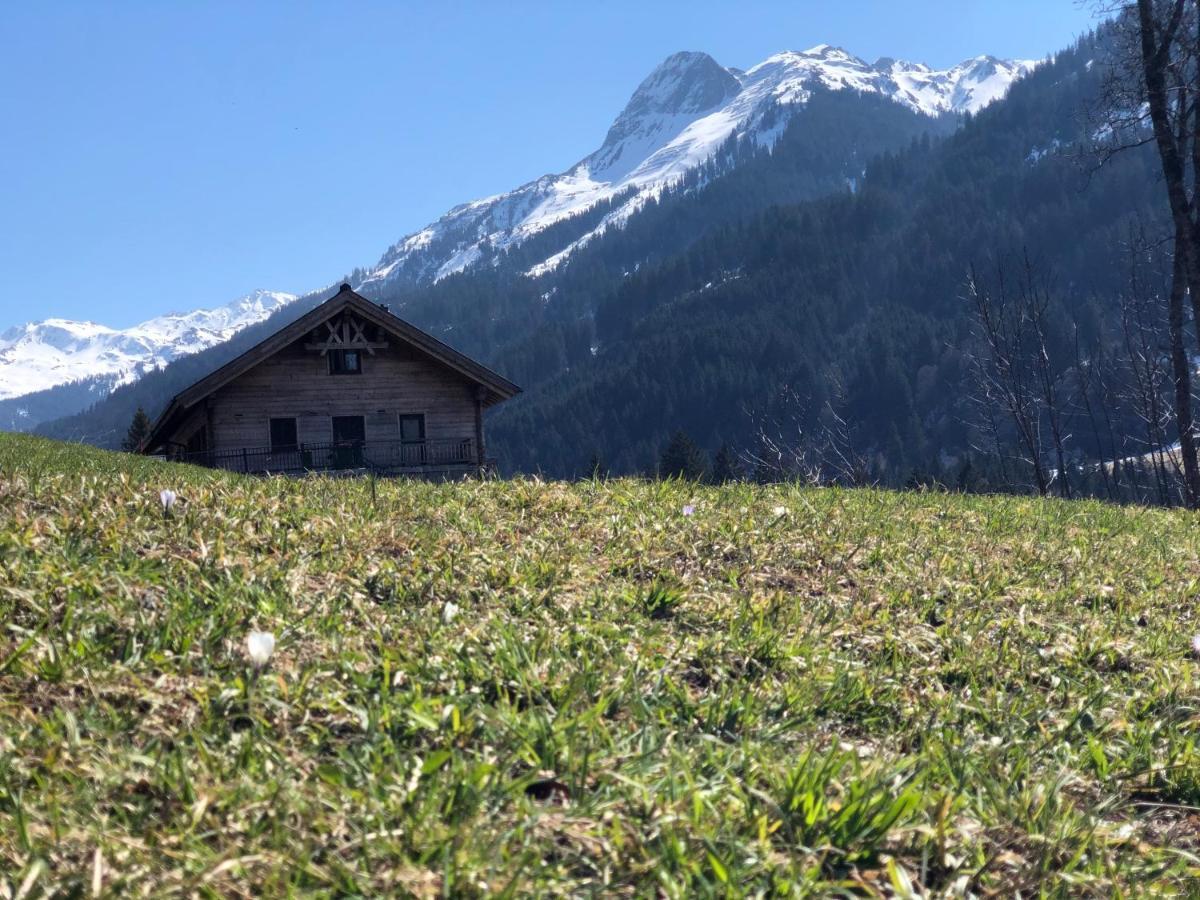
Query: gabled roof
(497, 388)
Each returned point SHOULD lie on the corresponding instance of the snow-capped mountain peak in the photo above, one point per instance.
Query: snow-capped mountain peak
(687, 83)
(684, 88)
(40, 355)
(676, 119)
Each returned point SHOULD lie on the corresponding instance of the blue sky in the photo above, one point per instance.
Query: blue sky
(167, 156)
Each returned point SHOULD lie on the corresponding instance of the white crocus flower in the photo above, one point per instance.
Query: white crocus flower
(450, 612)
(779, 511)
(1196, 645)
(259, 647)
(167, 498)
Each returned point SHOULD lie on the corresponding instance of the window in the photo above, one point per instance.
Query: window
(283, 435)
(345, 362)
(412, 439)
(349, 429)
(412, 429)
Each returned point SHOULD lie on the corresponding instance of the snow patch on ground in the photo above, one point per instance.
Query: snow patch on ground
(1037, 154)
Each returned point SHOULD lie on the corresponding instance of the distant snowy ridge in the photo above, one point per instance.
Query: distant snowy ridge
(44, 354)
(676, 120)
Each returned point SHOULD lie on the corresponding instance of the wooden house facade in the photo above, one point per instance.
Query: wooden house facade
(347, 386)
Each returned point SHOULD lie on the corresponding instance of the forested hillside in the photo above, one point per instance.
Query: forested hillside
(857, 300)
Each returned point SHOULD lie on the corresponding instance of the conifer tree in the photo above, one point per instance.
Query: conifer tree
(725, 466)
(139, 430)
(681, 458)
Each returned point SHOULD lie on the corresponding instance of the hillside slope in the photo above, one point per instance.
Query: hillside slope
(543, 688)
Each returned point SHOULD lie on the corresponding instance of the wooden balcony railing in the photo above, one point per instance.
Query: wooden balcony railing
(371, 455)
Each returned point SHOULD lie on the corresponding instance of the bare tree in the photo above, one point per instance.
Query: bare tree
(794, 441)
(1108, 395)
(1034, 302)
(1143, 338)
(1089, 381)
(784, 440)
(1168, 36)
(1004, 375)
(1152, 95)
(1181, 378)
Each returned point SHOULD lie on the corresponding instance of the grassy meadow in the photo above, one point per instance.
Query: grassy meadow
(520, 688)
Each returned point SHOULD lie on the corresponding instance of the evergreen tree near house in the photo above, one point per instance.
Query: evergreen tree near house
(139, 428)
(681, 458)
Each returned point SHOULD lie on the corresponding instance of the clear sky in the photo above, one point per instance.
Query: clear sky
(164, 156)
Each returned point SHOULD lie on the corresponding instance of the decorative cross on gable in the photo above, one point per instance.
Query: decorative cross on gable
(343, 333)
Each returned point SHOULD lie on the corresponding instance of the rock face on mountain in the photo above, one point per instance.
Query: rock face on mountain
(676, 119)
(52, 352)
(685, 87)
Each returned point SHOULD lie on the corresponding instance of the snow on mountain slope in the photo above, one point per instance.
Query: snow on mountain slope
(40, 355)
(676, 119)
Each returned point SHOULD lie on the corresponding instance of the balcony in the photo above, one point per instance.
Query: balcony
(383, 457)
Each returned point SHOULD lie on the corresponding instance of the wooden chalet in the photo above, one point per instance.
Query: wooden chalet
(347, 386)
